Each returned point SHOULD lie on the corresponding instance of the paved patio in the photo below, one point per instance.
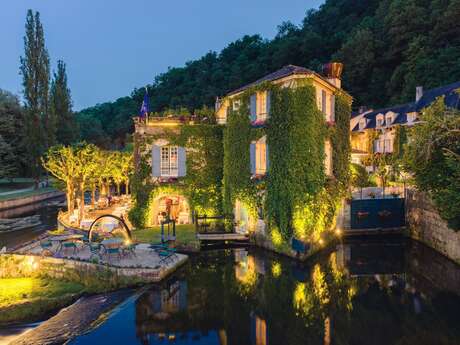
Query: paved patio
(142, 256)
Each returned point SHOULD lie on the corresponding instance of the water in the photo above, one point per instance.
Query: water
(48, 218)
(389, 291)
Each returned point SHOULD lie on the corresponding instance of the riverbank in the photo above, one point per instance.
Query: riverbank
(28, 197)
(29, 299)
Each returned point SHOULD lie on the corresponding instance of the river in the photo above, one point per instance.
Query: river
(385, 291)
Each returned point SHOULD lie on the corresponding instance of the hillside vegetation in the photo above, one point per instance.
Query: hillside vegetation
(388, 47)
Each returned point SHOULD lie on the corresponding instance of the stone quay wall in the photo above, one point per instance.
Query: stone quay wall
(426, 226)
(96, 277)
(22, 201)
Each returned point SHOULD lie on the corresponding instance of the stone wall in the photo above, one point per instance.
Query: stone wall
(22, 201)
(96, 277)
(426, 226)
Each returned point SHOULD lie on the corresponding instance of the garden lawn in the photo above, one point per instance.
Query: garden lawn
(185, 235)
(30, 298)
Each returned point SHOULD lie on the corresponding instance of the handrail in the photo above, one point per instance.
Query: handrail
(128, 232)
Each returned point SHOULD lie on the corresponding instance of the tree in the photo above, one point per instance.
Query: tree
(61, 107)
(117, 169)
(35, 73)
(61, 162)
(12, 131)
(433, 156)
(127, 167)
(8, 167)
(86, 164)
(359, 177)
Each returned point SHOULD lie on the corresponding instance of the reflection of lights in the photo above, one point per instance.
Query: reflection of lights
(172, 337)
(276, 269)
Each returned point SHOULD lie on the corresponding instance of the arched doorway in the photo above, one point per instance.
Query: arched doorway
(173, 205)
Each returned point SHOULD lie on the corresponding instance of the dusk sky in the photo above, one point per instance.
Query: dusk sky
(110, 47)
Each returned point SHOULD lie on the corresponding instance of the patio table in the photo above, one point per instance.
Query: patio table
(112, 242)
(86, 223)
(64, 238)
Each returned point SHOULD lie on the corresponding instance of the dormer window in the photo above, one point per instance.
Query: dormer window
(236, 104)
(362, 124)
(379, 120)
(411, 117)
(388, 119)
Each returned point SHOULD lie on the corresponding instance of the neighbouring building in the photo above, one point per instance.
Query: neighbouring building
(374, 131)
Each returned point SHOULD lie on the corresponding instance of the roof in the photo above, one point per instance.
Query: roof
(451, 99)
(281, 73)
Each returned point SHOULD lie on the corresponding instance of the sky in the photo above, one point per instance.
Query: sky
(112, 46)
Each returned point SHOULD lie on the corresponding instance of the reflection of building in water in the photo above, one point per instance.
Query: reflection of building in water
(247, 265)
(369, 259)
(259, 330)
(162, 316)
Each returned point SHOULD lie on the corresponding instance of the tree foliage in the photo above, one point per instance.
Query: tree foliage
(433, 156)
(388, 47)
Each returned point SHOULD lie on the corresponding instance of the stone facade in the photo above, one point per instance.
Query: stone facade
(426, 226)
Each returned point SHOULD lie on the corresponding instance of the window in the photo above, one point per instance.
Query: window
(388, 120)
(362, 123)
(323, 102)
(169, 161)
(388, 145)
(379, 120)
(411, 117)
(236, 104)
(261, 105)
(261, 157)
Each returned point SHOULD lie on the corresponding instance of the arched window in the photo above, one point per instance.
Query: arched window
(379, 120)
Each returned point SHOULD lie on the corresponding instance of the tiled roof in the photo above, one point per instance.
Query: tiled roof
(281, 73)
(451, 96)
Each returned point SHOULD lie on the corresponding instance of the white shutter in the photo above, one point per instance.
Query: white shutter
(253, 108)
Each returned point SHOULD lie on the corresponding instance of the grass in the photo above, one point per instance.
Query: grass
(29, 298)
(185, 235)
(27, 193)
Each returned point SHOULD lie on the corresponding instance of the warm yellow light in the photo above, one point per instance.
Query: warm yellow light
(128, 242)
(276, 269)
(338, 232)
(321, 241)
(277, 239)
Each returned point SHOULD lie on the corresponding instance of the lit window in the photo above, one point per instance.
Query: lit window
(236, 104)
(261, 157)
(261, 105)
(379, 120)
(362, 123)
(169, 161)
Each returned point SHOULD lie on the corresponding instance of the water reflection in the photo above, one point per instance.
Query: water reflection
(361, 293)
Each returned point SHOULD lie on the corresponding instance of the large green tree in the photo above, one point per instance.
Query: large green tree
(14, 155)
(61, 107)
(35, 73)
(433, 156)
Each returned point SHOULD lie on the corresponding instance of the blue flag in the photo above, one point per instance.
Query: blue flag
(145, 105)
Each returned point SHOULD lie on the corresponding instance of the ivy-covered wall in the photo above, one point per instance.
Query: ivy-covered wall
(202, 185)
(296, 197)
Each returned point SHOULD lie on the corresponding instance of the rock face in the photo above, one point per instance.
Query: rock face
(428, 227)
(14, 224)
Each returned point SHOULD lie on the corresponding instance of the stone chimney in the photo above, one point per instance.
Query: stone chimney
(418, 93)
(333, 72)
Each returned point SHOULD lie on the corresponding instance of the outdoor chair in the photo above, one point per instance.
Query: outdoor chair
(129, 249)
(46, 247)
(112, 251)
(166, 254)
(95, 250)
(70, 245)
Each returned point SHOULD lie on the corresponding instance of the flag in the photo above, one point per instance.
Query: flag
(145, 105)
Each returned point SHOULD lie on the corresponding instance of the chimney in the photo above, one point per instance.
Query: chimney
(418, 93)
(362, 109)
(333, 72)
